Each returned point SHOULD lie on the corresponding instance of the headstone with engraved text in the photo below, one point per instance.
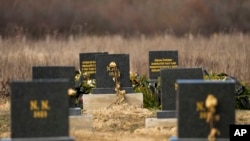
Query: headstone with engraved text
(88, 63)
(157, 61)
(39, 110)
(161, 59)
(104, 82)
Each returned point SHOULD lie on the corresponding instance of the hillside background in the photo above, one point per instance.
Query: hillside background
(37, 18)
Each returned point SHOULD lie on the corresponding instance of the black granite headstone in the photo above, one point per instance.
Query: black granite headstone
(39, 110)
(161, 59)
(197, 102)
(88, 63)
(168, 88)
(58, 72)
(104, 82)
(54, 72)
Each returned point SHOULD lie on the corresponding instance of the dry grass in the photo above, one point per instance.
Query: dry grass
(219, 53)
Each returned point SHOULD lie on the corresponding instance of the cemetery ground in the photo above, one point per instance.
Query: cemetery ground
(119, 123)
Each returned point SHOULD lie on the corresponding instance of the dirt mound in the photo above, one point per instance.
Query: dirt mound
(123, 122)
(120, 118)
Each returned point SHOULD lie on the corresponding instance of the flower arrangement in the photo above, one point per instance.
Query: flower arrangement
(242, 91)
(83, 85)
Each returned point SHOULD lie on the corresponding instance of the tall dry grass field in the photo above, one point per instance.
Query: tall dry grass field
(219, 53)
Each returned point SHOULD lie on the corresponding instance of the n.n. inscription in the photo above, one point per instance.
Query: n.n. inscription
(39, 108)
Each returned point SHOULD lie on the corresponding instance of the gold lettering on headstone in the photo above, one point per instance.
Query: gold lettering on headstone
(89, 67)
(203, 115)
(157, 64)
(45, 105)
(33, 105)
(200, 106)
(40, 114)
(39, 108)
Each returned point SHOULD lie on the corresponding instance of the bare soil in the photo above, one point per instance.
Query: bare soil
(118, 123)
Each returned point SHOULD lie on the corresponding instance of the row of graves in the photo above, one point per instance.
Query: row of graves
(42, 110)
(204, 110)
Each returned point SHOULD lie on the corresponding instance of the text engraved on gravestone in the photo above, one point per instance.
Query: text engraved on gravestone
(157, 64)
(88, 63)
(35, 104)
(89, 67)
(161, 59)
(122, 62)
(104, 83)
(56, 72)
(39, 108)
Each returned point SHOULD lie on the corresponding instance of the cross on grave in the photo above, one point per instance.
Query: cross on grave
(205, 109)
(105, 83)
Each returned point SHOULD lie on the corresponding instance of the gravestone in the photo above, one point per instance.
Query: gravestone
(104, 82)
(54, 72)
(39, 110)
(88, 63)
(205, 107)
(58, 72)
(159, 60)
(168, 88)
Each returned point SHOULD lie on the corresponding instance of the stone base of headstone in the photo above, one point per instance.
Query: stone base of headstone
(76, 111)
(82, 122)
(199, 139)
(166, 114)
(111, 90)
(155, 122)
(98, 101)
(40, 139)
(72, 102)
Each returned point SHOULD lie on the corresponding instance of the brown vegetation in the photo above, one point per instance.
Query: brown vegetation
(220, 53)
(41, 17)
